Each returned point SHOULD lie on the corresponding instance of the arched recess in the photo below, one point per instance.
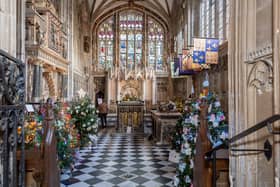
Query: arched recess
(139, 8)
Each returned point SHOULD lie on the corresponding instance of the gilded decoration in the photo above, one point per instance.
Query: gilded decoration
(130, 90)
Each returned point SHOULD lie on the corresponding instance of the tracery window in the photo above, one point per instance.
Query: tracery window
(131, 36)
(214, 17)
(137, 46)
(106, 44)
(155, 45)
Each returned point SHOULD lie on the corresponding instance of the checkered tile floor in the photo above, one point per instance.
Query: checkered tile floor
(122, 160)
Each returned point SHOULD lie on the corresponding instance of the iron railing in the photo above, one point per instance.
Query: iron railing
(267, 148)
(12, 97)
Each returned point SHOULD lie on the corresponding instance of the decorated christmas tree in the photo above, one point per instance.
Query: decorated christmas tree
(85, 118)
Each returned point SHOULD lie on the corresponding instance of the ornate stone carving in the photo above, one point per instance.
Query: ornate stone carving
(261, 76)
(131, 89)
(259, 53)
(46, 41)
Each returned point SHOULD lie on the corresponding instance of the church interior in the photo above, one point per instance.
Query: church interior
(132, 93)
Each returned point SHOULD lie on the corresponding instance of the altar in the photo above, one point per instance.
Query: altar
(163, 126)
(130, 114)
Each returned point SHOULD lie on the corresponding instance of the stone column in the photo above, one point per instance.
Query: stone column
(70, 56)
(8, 18)
(276, 87)
(154, 92)
(37, 82)
(144, 89)
(118, 90)
(64, 86)
(108, 84)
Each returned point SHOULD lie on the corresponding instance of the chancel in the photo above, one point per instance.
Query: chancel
(130, 93)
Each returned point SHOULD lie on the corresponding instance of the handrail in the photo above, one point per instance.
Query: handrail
(7, 55)
(256, 127)
(267, 149)
(265, 123)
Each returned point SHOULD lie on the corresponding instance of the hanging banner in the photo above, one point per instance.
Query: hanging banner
(185, 62)
(206, 51)
(175, 67)
(187, 65)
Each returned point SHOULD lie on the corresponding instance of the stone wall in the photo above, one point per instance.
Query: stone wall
(80, 58)
(253, 87)
(8, 22)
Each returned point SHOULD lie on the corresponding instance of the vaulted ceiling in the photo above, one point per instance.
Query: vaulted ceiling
(162, 8)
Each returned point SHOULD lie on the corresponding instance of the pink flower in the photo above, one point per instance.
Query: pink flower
(212, 117)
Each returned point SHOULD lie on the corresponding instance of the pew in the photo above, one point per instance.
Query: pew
(202, 169)
(43, 162)
(218, 159)
(209, 163)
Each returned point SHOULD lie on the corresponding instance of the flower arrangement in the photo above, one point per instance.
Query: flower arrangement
(67, 137)
(85, 119)
(189, 125)
(217, 125)
(33, 132)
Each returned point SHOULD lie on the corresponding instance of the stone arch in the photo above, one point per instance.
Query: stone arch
(121, 8)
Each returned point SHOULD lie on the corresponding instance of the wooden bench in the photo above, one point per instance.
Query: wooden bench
(208, 165)
(43, 162)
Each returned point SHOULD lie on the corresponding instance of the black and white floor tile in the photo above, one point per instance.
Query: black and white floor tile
(122, 160)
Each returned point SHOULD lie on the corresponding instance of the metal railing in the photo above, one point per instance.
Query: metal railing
(212, 155)
(12, 90)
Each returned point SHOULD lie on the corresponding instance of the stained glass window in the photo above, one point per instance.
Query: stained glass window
(131, 40)
(155, 45)
(214, 18)
(106, 44)
(131, 36)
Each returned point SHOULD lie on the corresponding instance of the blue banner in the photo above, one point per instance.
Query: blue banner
(205, 51)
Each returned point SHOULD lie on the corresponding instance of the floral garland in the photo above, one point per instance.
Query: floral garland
(217, 125)
(190, 123)
(84, 117)
(177, 138)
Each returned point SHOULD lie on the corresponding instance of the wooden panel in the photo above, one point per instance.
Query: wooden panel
(203, 145)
